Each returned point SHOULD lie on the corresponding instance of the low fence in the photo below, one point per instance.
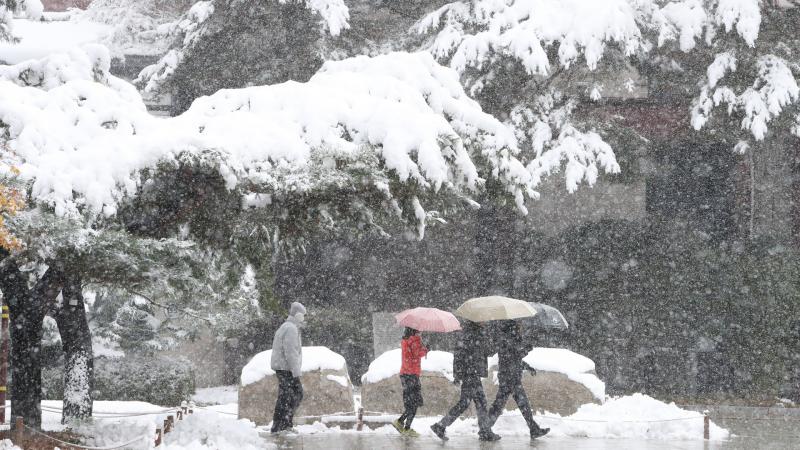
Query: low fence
(28, 437)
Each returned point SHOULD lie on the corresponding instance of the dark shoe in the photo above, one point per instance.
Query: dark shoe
(438, 430)
(488, 436)
(539, 432)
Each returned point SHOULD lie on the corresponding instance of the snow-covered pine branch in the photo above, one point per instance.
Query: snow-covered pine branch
(398, 127)
(195, 25)
(8, 8)
(137, 27)
(744, 43)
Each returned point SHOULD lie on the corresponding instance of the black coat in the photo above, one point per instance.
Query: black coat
(511, 350)
(469, 358)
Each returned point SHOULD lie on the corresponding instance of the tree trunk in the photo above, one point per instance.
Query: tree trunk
(76, 340)
(27, 309)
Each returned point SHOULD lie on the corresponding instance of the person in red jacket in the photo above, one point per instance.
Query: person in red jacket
(413, 351)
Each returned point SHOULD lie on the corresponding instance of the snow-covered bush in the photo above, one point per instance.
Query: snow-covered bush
(158, 380)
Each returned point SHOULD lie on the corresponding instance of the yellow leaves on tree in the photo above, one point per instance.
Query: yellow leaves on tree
(10, 203)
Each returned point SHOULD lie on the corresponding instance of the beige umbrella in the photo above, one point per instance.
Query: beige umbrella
(494, 307)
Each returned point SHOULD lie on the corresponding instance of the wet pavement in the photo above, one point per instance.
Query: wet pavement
(749, 434)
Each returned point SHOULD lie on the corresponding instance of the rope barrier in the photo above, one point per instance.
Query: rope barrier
(112, 415)
(110, 447)
(567, 419)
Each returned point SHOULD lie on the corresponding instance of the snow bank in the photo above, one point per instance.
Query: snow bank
(571, 364)
(634, 416)
(314, 358)
(388, 365)
(213, 431)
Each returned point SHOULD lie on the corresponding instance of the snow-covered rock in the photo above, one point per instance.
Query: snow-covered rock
(564, 381)
(326, 386)
(381, 389)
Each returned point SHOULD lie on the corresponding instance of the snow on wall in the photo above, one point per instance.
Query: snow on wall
(388, 364)
(314, 358)
(577, 368)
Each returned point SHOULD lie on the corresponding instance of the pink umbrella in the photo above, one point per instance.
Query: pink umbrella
(428, 319)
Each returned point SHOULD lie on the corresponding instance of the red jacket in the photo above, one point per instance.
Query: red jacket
(413, 351)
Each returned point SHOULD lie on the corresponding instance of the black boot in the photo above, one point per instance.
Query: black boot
(539, 432)
(488, 436)
(438, 430)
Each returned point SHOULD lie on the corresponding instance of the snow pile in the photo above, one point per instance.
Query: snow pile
(6, 444)
(83, 144)
(388, 364)
(314, 358)
(634, 416)
(203, 430)
(213, 431)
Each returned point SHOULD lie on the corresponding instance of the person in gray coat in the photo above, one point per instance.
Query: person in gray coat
(287, 361)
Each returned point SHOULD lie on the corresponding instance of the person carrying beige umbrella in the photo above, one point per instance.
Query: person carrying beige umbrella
(497, 308)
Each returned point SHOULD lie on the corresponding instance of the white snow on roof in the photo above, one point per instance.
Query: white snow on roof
(314, 358)
(39, 39)
(388, 364)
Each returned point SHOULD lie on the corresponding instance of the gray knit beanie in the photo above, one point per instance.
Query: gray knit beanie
(297, 307)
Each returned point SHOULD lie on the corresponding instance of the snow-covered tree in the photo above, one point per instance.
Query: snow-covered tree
(737, 51)
(8, 8)
(234, 43)
(366, 144)
(139, 27)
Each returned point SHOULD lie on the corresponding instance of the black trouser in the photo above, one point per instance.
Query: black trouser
(290, 394)
(412, 398)
(471, 391)
(516, 390)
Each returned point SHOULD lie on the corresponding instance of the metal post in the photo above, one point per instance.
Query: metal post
(4, 336)
(360, 419)
(19, 429)
(706, 425)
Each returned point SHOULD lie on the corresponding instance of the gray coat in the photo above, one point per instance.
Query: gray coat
(287, 347)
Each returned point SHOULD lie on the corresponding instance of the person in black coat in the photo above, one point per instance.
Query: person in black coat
(510, 353)
(469, 366)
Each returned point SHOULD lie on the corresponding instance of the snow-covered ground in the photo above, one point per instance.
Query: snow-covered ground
(217, 427)
(219, 395)
(635, 416)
